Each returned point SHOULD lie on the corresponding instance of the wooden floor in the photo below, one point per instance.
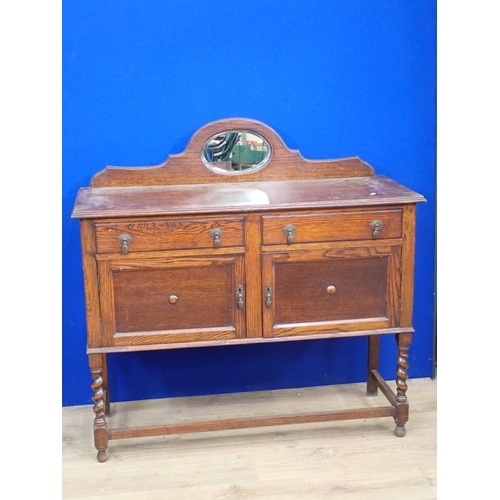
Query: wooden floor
(357, 459)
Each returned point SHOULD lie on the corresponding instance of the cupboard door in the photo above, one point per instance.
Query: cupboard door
(150, 301)
(329, 291)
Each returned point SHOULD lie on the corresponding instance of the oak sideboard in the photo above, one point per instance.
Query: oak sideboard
(240, 240)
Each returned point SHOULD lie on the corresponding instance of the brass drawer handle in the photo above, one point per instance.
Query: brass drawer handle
(289, 229)
(269, 297)
(125, 239)
(240, 296)
(376, 225)
(173, 299)
(331, 290)
(216, 234)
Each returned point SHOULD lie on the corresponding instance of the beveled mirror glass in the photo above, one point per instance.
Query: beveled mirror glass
(236, 152)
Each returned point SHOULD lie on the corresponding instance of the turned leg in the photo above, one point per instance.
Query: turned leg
(100, 425)
(107, 400)
(373, 357)
(402, 408)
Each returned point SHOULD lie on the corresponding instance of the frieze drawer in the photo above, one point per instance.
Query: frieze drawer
(175, 234)
(325, 227)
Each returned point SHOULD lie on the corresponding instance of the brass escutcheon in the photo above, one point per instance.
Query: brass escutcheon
(269, 297)
(240, 296)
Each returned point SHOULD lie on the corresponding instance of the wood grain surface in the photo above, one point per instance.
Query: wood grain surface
(316, 227)
(351, 460)
(245, 196)
(171, 234)
(176, 254)
(188, 167)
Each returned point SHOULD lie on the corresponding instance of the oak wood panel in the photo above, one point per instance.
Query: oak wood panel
(171, 254)
(173, 299)
(145, 300)
(90, 282)
(301, 290)
(366, 281)
(323, 227)
(188, 167)
(246, 196)
(339, 327)
(334, 245)
(407, 270)
(253, 309)
(205, 336)
(393, 296)
(169, 234)
(256, 340)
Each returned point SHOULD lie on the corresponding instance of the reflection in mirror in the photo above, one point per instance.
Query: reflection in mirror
(235, 152)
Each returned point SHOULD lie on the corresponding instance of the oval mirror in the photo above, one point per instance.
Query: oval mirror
(236, 152)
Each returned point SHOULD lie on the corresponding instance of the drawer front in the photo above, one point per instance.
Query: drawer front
(324, 227)
(143, 236)
(146, 301)
(314, 292)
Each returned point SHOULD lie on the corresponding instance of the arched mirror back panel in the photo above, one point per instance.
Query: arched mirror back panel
(232, 150)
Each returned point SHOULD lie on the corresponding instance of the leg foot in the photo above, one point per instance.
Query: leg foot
(100, 424)
(400, 431)
(401, 403)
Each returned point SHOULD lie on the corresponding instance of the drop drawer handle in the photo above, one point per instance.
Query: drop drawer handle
(125, 239)
(216, 234)
(376, 225)
(289, 229)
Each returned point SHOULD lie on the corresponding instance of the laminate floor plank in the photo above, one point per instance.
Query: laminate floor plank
(357, 459)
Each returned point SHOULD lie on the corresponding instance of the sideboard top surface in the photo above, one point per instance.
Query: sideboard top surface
(183, 184)
(242, 196)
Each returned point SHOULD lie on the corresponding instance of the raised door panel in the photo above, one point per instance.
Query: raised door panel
(149, 301)
(329, 291)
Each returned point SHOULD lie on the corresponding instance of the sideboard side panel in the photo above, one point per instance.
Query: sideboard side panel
(91, 286)
(407, 272)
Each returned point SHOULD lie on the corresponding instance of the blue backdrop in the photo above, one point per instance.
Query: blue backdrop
(334, 78)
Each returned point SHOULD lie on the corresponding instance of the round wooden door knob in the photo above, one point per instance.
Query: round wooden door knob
(331, 289)
(173, 299)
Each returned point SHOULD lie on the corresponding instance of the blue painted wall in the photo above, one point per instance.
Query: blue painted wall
(334, 78)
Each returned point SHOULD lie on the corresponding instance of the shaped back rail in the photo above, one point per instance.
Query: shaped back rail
(188, 167)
